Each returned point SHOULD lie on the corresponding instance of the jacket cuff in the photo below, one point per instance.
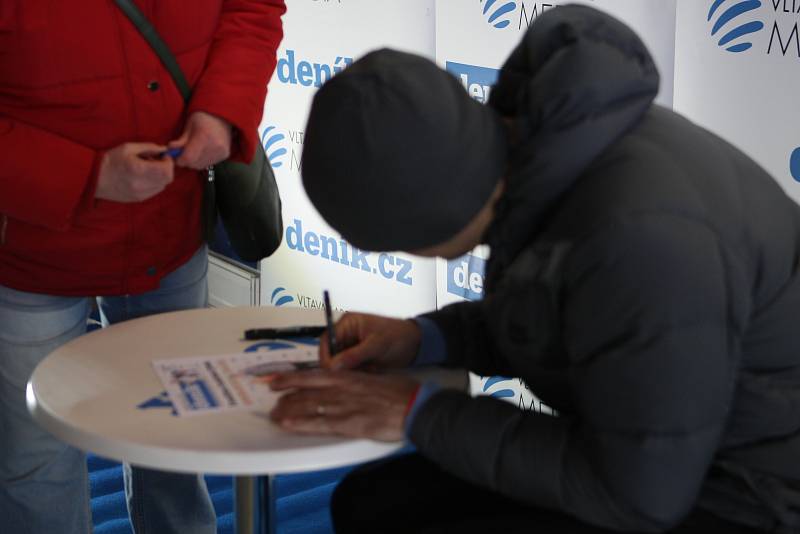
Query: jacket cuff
(244, 134)
(423, 393)
(432, 347)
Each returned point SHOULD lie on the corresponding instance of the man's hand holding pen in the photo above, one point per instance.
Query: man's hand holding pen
(371, 341)
(344, 399)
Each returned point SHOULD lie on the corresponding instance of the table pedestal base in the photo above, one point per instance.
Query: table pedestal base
(254, 505)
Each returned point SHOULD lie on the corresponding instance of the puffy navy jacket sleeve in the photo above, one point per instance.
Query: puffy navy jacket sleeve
(467, 340)
(650, 356)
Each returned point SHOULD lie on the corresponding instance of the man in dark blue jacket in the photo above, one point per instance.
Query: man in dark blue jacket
(643, 281)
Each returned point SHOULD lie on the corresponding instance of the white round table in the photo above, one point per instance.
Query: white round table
(100, 393)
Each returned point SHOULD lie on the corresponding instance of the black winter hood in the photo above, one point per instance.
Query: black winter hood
(398, 137)
(397, 156)
(578, 81)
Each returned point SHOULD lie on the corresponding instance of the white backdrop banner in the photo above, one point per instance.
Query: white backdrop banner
(477, 36)
(473, 40)
(738, 74)
(321, 38)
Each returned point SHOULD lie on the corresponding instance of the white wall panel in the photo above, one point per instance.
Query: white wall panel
(321, 37)
(738, 74)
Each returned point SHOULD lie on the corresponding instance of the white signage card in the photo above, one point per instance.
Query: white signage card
(226, 382)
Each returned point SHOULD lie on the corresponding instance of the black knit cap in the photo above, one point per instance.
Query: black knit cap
(397, 156)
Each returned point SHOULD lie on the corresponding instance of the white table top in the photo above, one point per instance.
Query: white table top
(88, 391)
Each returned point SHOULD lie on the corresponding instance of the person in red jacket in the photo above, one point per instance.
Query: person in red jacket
(89, 208)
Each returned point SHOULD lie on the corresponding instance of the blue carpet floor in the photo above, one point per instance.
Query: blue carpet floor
(302, 500)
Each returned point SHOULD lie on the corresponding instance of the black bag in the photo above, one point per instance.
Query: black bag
(249, 205)
(246, 196)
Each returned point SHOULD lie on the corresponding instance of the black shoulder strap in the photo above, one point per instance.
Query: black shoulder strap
(160, 47)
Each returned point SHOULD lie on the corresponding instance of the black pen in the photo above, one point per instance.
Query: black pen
(283, 333)
(329, 322)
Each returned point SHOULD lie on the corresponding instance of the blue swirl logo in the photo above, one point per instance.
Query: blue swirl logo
(730, 21)
(498, 13)
(272, 141)
(160, 401)
(278, 297)
(502, 393)
(794, 164)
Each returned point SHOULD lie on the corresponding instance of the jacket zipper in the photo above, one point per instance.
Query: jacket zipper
(3, 226)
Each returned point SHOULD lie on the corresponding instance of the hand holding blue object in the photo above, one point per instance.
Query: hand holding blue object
(173, 152)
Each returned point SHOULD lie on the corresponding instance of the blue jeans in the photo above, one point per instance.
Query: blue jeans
(43, 482)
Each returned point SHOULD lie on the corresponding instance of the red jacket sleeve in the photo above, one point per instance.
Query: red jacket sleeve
(31, 157)
(240, 64)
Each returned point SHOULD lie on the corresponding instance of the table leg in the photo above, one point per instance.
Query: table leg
(254, 505)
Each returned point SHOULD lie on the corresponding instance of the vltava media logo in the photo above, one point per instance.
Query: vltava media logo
(518, 15)
(738, 26)
(501, 392)
(272, 141)
(499, 14)
(280, 298)
(514, 390)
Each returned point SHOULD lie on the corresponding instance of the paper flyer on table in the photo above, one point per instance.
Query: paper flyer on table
(210, 384)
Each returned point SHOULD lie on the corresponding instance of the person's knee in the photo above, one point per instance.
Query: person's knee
(375, 497)
(360, 505)
(344, 515)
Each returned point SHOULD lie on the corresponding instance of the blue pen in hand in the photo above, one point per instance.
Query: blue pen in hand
(329, 323)
(174, 152)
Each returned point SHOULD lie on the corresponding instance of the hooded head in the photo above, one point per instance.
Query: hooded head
(397, 156)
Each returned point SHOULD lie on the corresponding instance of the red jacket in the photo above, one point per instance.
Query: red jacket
(77, 79)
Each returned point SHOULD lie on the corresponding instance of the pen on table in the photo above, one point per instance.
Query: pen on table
(329, 322)
(283, 333)
(260, 370)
